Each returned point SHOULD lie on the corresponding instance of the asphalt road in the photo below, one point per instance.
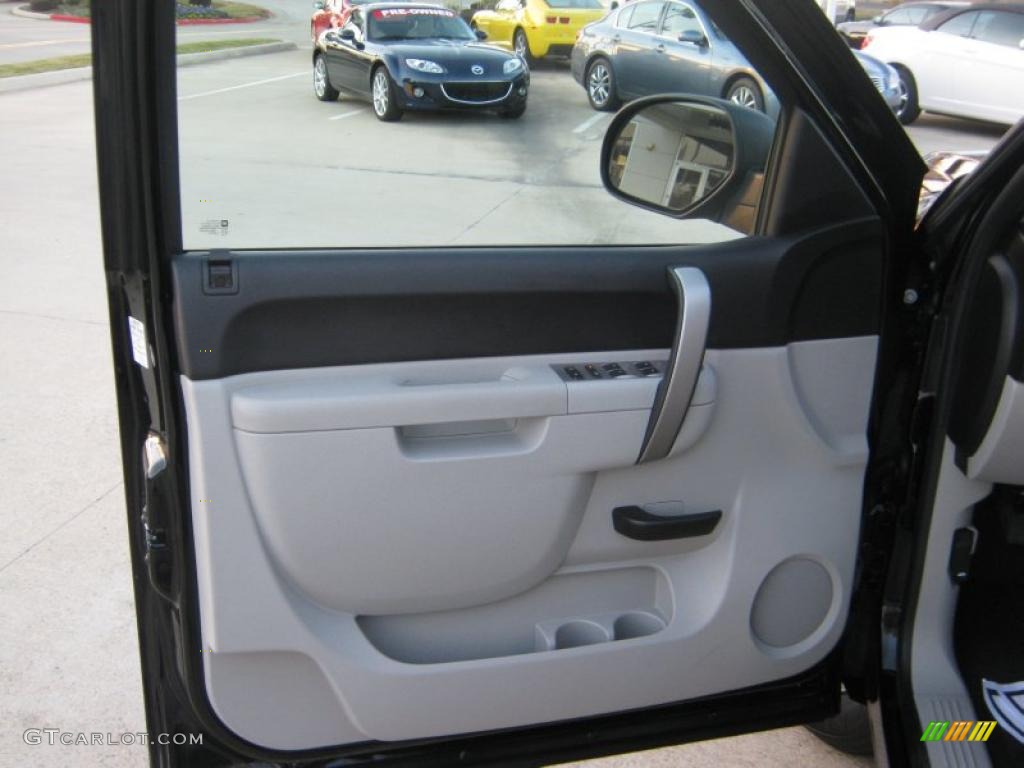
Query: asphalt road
(67, 640)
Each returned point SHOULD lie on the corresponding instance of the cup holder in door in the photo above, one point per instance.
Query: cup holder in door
(638, 624)
(574, 634)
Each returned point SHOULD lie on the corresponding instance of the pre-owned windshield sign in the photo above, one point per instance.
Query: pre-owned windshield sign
(388, 12)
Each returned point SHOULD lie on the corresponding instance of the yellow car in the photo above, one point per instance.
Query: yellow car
(537, 28)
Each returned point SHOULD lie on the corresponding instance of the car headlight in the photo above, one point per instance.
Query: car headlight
(512, 65)
(423, 65)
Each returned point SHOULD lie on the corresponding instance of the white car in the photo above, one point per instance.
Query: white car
(967, 62)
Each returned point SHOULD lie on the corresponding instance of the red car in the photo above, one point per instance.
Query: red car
(330, 14)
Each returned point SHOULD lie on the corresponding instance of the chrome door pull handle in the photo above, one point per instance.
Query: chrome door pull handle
(693, 295)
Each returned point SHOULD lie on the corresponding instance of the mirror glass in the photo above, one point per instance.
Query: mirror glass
(673, 154)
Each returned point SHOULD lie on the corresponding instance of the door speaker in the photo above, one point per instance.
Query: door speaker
(791, 603)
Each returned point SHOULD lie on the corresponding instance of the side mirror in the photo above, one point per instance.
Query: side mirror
(318, 5)
(347, 33)
(879, 20)
(614, 5)
(480, 34)
(685, 156)
(694, 37)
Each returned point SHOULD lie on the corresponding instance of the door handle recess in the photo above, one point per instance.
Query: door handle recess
(637, 523)
(693, 295)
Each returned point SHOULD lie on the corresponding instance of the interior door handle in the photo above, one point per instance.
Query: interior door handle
(693, 295)
(637, 523)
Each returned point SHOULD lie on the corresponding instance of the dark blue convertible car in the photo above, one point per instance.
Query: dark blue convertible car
(417, 57)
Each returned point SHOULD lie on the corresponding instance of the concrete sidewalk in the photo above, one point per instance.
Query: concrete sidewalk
(68, 654)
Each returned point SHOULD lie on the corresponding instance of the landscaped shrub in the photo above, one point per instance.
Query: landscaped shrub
(198, 12)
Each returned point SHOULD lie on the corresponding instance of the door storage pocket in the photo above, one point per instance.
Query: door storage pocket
(566, 612)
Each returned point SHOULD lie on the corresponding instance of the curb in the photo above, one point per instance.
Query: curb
(61, 76)
(241, 20)
(188, 59)
(27, 14)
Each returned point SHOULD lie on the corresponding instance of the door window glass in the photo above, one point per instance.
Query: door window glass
(416, 134)
(680, 18)
(1000, 28)
(959, 25)
(903, 16)
(355, 21)
(645, 17)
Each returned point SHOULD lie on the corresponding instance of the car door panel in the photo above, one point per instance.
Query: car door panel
(940, 61)
(322, 543)
(390, 518)
(636, 55)
(995, 63)
(408, 526)
(338, 56)
(680, 67)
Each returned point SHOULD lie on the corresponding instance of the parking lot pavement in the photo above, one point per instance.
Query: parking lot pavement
(932, 133)
(68, 654)
(349, 178)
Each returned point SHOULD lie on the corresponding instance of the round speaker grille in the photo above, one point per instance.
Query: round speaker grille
(791, 603)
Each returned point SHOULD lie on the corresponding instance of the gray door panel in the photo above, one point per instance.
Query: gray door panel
(398, 542)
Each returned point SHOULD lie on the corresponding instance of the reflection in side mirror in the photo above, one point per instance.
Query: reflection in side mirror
(686, 156)
(672, 154)
(480, 34)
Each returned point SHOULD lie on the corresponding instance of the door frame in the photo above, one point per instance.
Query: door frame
(136, 126)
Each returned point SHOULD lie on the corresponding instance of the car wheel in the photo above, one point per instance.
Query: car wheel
(746, 93)
(521, 45)
(908, 109)
(600, 83)
(385, 106)
(514, 113)
(322, 87)
(849, 731)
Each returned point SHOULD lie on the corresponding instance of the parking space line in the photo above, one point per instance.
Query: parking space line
(343, 115)
(588, 123)
(237, 87)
